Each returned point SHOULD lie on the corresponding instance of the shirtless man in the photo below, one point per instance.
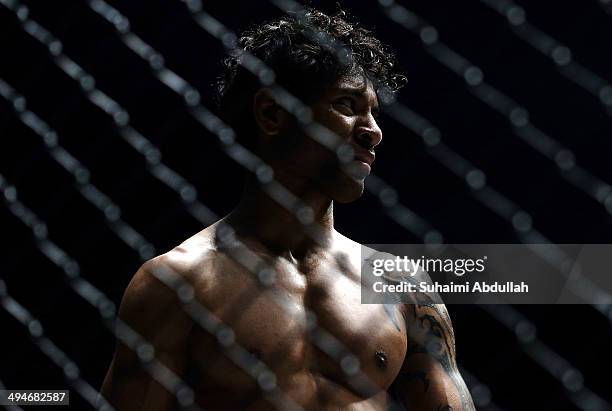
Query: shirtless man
(404, 353)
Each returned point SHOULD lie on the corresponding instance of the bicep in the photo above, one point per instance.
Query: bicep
(153, 311)
(429, 379)
(129, 386)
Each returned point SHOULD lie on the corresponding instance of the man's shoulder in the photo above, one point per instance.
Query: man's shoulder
(361, 252)
(157, 286)
(195, 258)
(345, 244)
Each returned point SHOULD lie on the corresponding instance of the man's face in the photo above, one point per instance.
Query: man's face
(348, 109)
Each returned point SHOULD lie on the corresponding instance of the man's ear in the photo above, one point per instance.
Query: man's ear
(269, 116)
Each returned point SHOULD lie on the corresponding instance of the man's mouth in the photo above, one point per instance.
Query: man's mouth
(364, 156)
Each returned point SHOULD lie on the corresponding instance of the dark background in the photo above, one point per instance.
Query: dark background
(487, 349)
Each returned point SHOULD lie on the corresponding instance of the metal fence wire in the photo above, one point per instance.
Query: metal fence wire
(52, 145)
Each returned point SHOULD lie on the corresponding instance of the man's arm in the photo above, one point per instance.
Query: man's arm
(429, 379)
(153, 310)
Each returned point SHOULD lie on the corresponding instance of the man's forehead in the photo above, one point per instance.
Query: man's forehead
(357, 84)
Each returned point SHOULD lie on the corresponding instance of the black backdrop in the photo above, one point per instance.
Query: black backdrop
(488, 350)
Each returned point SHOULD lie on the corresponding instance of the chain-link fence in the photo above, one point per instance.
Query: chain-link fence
(117, 155)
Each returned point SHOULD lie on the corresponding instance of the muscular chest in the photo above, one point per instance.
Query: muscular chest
(313, 322)
(372, 334)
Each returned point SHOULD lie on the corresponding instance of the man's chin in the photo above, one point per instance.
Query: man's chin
(350, 192)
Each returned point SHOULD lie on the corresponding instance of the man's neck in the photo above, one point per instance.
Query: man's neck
(263, 219)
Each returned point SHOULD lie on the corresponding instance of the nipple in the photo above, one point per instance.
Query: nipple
(381, 359)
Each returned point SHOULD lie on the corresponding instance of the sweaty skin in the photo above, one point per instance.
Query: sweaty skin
(406, 350)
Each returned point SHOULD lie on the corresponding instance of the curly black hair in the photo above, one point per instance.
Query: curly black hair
(302, 64)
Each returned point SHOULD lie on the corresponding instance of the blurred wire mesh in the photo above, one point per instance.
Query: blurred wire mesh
(471, 99)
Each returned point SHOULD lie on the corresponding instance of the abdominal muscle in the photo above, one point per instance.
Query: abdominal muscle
(305, 390)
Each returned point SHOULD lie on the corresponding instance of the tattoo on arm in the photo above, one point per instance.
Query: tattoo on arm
(432, 333)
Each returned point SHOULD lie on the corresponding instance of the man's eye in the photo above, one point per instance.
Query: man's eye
(345, 105)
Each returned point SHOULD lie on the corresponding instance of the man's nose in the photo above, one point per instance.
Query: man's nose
(369, 134)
